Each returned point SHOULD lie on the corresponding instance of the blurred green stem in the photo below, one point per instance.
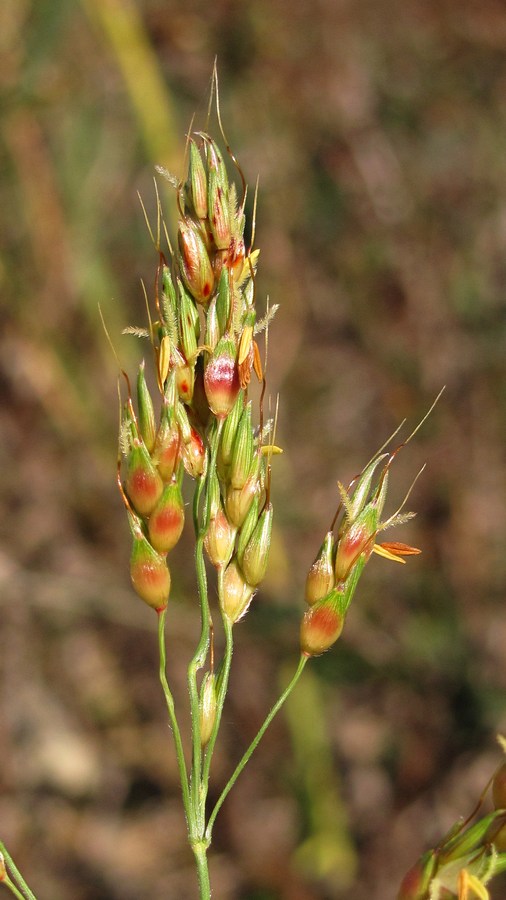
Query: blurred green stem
(22, 892)
(122, 24)
(12, 888)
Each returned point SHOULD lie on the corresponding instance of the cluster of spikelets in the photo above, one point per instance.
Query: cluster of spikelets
(347, 546)
(467, 859)
(205, 350)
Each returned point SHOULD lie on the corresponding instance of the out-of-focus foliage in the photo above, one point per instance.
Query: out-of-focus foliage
(378, 131)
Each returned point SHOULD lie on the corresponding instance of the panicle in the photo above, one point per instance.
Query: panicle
(205, 352)
(334, 575)
(467, 858)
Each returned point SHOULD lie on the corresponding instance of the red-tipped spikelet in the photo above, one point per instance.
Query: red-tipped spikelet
(185, 377)
(167, 519)
(144, 485)
(322, 624)
(237, 593)
(194, 263)
(320, 578)
(167, 449)
(416, 883)
(358, 538)
(220, 539)
(149, 572)
(221, 378)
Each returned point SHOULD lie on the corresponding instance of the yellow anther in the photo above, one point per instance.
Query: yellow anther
(386, 554)
(270, 450)
(164, 354)
(245, 344)
(470, 886)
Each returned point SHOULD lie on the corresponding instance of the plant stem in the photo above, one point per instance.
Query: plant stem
(196, 663)
(200, 853)
(222, 692)
(12, 888)
(183, 775)
(256, 740)
(198, 792)
(25, 893)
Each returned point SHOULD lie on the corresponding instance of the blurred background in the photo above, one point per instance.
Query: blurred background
(378, 132)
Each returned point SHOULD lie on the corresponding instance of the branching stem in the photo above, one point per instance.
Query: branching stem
(256, 740)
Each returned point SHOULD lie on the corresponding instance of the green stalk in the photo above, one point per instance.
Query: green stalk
(183, 775)
(222, 693)
(198, 795)
(198, 812)
(25, 893)
(200, 854)
(252, 747)
(12, 888)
